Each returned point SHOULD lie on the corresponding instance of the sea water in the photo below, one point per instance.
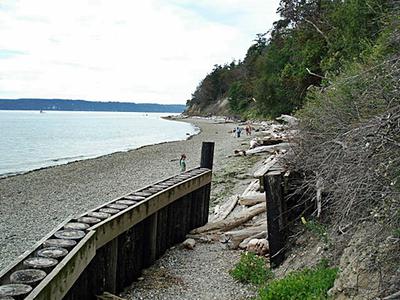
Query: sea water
(30, 140)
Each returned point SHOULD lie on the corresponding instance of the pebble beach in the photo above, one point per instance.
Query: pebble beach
(32, 204)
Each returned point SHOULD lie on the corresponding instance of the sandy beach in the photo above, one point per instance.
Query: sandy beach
(32, 204)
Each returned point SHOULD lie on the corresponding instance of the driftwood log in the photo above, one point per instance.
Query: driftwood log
(233, 222)
(251, 200)
(245, 242)
(252, 196)
(225, 209)
(270, 149)
(234, 238)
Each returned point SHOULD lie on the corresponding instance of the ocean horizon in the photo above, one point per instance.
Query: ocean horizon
(31, 140)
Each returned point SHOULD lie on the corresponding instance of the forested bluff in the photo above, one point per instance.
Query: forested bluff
(335, 65)
(314, 45)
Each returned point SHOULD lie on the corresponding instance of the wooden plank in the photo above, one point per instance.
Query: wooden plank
(110, 228)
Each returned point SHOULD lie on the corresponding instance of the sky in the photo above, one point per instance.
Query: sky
(153, 51)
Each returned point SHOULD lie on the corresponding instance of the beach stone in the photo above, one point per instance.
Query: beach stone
(189, 244)
(40, 262)
(76, 226)
(89, 220)
(109, 210)
(52, 252)
(27, 276)
(59, 243)
(126, 202)
(70, 234)
(15, 289)
(117, 206)
(98, 214)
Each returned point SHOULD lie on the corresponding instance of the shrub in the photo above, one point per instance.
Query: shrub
(251, 269)
(306, 284)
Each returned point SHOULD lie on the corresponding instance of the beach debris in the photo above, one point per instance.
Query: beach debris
(282, 147)
(234, 238)
(189, 244)
(258, 246)
(292, 121)
(227, 224)
(254, 143)
(237, 152)
(252, 195)
(224, 210)
(245, 242)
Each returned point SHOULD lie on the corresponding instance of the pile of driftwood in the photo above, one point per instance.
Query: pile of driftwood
(239, 223)
(274, 138)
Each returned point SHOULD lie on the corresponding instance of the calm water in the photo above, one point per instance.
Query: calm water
(31, 140)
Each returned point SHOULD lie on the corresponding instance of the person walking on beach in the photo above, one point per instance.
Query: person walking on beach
(248, 129)
(182, 163)
(238, 131)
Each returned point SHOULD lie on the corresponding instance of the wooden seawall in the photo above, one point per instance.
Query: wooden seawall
(106, 248)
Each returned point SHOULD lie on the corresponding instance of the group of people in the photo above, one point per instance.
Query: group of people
(237, 131)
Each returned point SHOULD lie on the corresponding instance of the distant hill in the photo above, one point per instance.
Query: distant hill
(82, 105)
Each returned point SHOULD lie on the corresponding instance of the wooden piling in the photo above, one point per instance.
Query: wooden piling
(130, 255)
(150, 240)
(162, 224)
(103, 252)
(276, 219)
(207, 155)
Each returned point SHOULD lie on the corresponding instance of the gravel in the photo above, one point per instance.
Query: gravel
(32, 204)
(196, 274)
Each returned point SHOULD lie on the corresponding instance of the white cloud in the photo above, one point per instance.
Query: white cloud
(123, 50)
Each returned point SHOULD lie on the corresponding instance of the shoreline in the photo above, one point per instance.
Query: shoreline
(197, 131)
(31, 204)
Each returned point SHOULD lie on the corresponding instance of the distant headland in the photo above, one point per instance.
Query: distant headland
(83, 105)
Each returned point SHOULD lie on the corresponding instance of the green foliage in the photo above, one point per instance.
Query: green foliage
(314, 40)
(237, 96)
(306, 284)
(251, 269)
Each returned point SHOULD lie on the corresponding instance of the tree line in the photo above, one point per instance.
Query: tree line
(312, 42)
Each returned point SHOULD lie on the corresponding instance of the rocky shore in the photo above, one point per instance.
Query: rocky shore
(32, 204)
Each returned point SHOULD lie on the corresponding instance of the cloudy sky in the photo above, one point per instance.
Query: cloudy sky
(122, 50)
